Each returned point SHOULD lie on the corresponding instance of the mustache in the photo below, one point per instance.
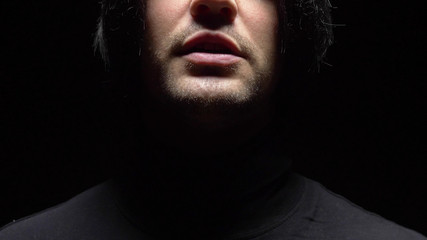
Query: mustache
(177, 40)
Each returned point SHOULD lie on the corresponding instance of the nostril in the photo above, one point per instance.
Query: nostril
(201, 9)
(225, 11)
(210, 10)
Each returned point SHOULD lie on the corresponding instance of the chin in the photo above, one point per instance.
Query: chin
(210, 90)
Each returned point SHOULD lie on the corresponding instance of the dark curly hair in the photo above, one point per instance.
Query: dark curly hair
(305, 30)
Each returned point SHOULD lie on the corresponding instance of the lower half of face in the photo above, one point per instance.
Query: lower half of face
(206, 79)
(184, 81)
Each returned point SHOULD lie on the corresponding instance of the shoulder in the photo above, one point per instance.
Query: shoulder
(91, 211)
(328, 215)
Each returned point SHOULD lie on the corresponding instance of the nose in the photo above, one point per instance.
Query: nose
(202, 9)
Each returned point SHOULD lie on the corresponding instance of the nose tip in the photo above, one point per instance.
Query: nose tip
(204, 8)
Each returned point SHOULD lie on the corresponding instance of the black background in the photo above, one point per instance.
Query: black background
(358, 128)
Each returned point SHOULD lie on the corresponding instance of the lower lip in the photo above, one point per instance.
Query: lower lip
(212, 59)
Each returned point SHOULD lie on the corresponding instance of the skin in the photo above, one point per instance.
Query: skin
(197, 118)
(217, 104)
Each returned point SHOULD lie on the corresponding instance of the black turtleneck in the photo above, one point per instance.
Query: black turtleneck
(247, 194)
(235, 193)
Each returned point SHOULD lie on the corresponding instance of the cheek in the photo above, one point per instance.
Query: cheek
(162, 17)
(262, 23)
(266, 27)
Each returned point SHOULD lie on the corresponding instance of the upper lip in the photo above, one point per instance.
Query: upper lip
(222, 41)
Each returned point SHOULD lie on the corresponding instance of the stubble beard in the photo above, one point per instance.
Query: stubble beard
(212, 96)
(208, 90)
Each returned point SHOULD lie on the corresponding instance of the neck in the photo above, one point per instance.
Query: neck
(193, 190)
(199, 175)
(203, 130)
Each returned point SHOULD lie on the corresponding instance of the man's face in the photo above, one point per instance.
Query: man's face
(210, 51)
